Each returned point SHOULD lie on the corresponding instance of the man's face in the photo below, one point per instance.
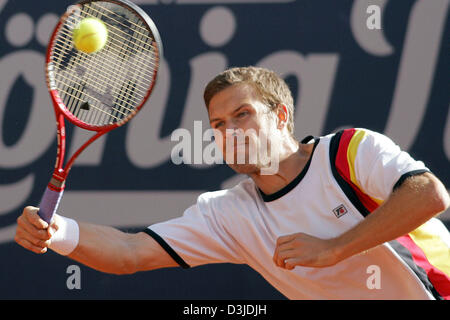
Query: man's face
(245, 128)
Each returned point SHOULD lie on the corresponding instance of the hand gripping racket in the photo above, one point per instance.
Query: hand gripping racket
(98, 91)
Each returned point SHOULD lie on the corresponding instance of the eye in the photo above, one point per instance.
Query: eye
(218, 124)
(242, 114)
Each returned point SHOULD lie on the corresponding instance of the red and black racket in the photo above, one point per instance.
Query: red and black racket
(98, 91)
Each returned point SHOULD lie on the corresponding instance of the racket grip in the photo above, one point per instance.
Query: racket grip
(49, 204)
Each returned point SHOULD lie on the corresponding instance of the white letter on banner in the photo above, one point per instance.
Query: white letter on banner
(414, 81)
(40, 129)
(203, 68)
(145, 148)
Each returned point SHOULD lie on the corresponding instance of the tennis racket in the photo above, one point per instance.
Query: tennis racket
(98, 91)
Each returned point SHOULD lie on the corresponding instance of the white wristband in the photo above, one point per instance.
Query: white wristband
(66, 238)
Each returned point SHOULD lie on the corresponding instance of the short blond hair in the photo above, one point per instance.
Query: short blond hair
(271, 88)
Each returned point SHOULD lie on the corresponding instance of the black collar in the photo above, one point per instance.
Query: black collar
(291, 185)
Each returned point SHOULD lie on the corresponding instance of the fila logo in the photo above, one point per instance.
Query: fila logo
(340, 211)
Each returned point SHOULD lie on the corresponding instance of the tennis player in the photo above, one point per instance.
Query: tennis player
(346, 216)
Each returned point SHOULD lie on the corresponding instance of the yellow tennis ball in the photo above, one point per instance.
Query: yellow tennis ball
(90, 35)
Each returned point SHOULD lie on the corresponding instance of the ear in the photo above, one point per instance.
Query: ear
(282, 116)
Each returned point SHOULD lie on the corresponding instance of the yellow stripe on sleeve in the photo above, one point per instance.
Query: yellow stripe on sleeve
(434, 248)
(351, 156)
(351, 153)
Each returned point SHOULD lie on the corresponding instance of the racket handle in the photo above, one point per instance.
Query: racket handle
(49, 204)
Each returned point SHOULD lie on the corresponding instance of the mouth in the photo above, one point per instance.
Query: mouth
(240, 147)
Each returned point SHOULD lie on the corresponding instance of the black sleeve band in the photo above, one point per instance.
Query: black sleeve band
(167, 248)
(407, 175)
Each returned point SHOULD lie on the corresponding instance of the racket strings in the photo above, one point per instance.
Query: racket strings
(139, 59)
(122, 98)
(122, 71)
(78, 98)
(110, 62)
(145, 43)
(71, 81)
(147, 38)
(115, 13)
(71, 101)
(102, 72)
(151, 53)
(90, 96)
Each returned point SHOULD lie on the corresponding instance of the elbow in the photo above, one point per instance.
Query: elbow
(118, 268)
(429, 193)
(439, 197)
(443, 202)
(129, 260)
(137, 256)
(127, 266)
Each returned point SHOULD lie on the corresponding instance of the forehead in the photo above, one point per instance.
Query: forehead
(232, 98)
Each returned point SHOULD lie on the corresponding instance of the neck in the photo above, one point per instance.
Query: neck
(290, 166)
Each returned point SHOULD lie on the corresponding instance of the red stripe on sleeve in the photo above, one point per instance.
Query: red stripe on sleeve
(344, 169)
(341, 157)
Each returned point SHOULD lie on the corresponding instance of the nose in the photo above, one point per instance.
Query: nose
(231, 132)
(233, 129)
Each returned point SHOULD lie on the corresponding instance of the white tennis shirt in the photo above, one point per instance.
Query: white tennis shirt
(241, 225)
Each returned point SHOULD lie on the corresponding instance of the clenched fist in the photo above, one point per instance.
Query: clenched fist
(300, 249)
(32, 232)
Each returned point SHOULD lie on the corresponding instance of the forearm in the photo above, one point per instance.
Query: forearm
(102, 248)
(105, 249)
(416, 201)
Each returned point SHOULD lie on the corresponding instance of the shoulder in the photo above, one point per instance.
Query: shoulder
(355, 138)
(363, 134)
(230, 207)
(353, 132)
(241, 192)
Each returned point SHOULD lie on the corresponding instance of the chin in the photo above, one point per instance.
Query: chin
(247, 169)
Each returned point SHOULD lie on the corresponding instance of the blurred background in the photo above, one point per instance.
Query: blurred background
(346, 68)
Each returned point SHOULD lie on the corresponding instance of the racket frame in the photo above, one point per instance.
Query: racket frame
(57, 183)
